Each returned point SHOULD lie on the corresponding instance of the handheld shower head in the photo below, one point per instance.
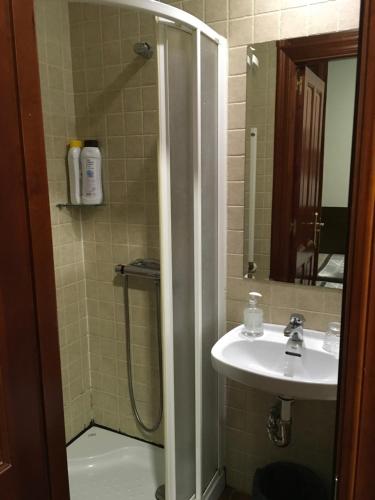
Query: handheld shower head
(143, 49)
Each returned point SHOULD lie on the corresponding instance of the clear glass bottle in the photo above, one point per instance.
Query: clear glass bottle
(331, 342)
(253, 317)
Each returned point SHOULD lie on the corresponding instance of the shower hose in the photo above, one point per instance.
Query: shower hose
(154, 427)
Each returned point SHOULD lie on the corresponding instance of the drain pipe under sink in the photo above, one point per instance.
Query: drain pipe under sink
(279, 422)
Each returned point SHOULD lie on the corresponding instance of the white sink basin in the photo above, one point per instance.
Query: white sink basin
(261, 363)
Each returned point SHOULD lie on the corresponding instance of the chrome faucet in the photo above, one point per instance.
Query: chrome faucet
(294, 330)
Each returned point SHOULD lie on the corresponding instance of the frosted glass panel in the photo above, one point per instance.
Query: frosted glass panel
(180, 75)
(209, 147)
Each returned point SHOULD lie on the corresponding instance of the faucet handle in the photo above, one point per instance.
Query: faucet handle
(297, 319)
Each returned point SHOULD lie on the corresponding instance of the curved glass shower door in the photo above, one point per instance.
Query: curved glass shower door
(192, 197)
(178, 45)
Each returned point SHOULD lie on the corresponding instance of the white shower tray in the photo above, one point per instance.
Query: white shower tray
(104, 465)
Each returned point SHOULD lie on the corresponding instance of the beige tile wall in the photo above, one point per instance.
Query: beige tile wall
(53, 37)
(244, 22)
(116, 102)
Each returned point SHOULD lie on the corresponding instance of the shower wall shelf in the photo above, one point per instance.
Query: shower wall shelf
(80, 205)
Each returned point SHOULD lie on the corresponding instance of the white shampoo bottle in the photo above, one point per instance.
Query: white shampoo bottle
(91, 167)
(74, 171)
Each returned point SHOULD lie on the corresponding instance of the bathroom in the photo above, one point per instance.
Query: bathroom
(117, 318)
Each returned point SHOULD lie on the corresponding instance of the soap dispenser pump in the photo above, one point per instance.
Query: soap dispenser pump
(253, 317)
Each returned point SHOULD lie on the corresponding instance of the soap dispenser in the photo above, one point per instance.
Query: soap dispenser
(253, 317)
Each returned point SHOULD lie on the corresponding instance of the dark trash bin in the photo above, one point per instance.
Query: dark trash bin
(287, 481)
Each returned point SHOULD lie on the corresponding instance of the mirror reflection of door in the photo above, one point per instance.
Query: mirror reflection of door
(308, 175)
(300, 106)
(320, 139)
(324, 127)
(341, 88)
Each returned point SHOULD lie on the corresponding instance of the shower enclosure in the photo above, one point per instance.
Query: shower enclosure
(192, 100)
(149, 81)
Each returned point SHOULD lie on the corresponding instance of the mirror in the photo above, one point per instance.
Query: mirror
(299, 126)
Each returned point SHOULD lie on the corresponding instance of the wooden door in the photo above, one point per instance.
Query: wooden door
(308, 175)
(32, 451)
(23, 454)
(356, 403)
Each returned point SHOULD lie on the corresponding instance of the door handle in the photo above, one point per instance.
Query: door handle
(318, 225)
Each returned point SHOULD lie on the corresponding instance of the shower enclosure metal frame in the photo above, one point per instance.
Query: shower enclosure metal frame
(166, 14)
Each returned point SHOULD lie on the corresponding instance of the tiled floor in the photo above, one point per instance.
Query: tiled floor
(230, 494)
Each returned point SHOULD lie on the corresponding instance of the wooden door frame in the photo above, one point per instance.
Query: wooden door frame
(35, 186)
(290, 54)
(356, 405)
